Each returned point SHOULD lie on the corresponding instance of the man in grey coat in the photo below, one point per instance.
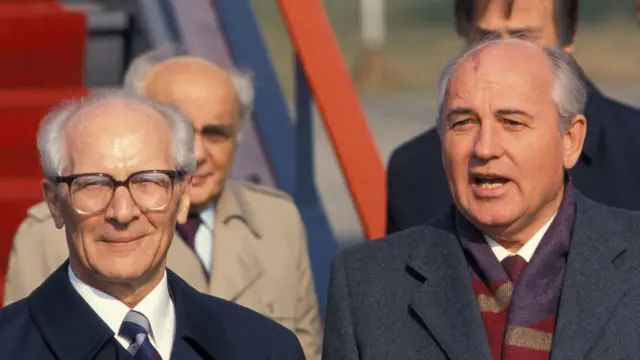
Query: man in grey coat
(522, 266)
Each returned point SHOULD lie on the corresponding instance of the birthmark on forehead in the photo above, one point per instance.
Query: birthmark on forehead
(475, 60)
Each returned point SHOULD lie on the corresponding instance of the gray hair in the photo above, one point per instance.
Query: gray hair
(52, 147)
(569, 92)
(142, 65)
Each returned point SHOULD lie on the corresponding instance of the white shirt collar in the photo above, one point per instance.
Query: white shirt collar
(207, 216)
(526, 251)
(157, 306)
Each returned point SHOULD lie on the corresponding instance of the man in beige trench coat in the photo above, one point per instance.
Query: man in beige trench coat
(248, 244)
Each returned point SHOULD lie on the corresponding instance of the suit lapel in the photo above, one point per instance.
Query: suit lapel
(597, 277)
(199, 334)
(235, 265)
(113, 351)
(66, 322)
(182, 351)
(446, 302)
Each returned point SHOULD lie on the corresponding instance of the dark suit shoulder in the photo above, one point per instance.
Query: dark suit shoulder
(395, 245)
(417, 188)
(619, 120)
(403, 241)
(19, 336)
(611, 219)
(12, 315)
(389, 255)
(418, 149)
(244, 322)
(623, 122)
(621, 108)
(246, 326)
(239, 325)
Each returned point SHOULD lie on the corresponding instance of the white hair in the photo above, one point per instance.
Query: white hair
(54, 155)
(569, 92)
(141, 66)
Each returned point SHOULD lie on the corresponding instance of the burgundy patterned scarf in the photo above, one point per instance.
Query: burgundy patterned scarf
(520, 317)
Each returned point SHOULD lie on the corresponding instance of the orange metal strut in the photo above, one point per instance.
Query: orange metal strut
(338, 102)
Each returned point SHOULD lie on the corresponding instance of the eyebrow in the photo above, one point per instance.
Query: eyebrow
(501, 112)
(509, 112)
(223, 129)
(524, 30)
(460, 111)
(512, 31)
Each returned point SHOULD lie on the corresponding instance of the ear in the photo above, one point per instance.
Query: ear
(52, 197)
(240, 124)
(574, 140)
(568, 48)
(185, 201)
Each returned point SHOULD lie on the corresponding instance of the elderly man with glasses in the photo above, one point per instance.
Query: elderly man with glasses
(118, 173)
(242, 242)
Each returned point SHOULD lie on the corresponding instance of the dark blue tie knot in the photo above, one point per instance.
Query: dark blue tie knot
(135, 328)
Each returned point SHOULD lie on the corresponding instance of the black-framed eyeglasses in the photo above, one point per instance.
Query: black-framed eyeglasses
(151, 190)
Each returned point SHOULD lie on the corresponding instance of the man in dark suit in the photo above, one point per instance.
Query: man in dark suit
(522, 266)
(118, 173)
(608, 168)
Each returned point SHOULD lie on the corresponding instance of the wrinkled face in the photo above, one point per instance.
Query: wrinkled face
(531, 20)
(207, 95)
(123, 243)
(503, 152)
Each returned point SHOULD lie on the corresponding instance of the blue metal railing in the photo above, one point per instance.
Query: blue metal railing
(289, 148)
(290, 153)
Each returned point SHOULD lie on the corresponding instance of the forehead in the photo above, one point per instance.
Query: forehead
(524, 13)
(118, 133)
(506, 74)
(202, 90)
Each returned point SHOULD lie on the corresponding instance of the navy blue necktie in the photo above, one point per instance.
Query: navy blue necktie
(135, 329)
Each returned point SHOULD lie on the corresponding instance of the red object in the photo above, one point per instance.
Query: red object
(41, 45)
(17, 194)
(42, 52)
(20, 116)
(339, 105)
(20, 173)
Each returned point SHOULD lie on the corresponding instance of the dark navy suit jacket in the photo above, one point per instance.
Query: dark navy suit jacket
(608, 170)
(54, 322)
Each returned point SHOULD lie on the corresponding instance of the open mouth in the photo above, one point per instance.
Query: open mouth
(489, 181)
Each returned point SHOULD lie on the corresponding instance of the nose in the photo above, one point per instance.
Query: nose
(122, 209)
(488, 142)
